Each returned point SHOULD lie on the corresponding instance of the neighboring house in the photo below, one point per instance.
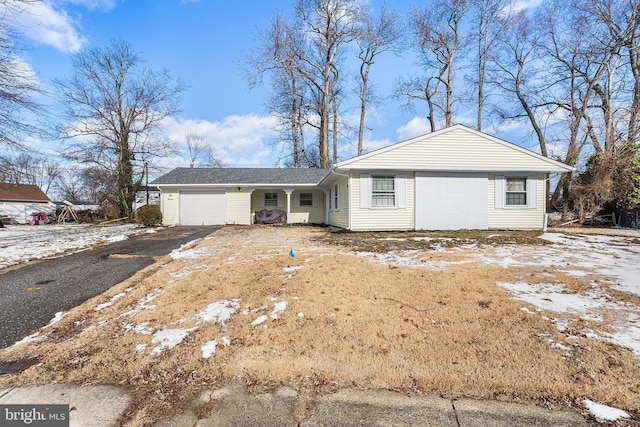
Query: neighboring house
(19, 201)
(141, 196)
(456, 178)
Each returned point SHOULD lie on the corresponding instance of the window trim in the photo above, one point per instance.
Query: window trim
(400, 190)
(531, 186)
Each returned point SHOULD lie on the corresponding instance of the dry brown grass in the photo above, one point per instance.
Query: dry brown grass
(350, 322)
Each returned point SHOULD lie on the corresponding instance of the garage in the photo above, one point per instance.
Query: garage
(203, 207)
(452, 201)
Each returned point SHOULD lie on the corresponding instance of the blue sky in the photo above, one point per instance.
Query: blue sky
(202, 42)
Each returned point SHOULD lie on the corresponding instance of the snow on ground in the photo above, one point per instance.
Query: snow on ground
(23, 243)
(605, 262)
(603, 412)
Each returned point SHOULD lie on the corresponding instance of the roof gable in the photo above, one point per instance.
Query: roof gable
(457, 148)
(22, 193)
(241, 176)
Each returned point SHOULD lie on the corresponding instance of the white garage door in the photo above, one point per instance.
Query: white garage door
(203, 207)
(452, 201)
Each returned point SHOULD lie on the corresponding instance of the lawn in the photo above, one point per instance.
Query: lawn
(500, 315)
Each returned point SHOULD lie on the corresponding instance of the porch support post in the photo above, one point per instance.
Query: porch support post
(250, 190)
(288, 191)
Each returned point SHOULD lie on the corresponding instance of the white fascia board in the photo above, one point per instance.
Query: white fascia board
(458, 169)
(231, 184)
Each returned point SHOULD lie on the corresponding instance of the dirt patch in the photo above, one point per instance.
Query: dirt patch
(273, 306)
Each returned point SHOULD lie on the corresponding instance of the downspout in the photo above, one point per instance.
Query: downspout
(333, 172)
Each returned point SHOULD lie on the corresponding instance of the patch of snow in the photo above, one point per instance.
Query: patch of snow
(56, 318)
(35, 337)
(394, 239)
(110, 302)
(604, 412)
(118, 238)
(294, 268)
(142, 328)
(278, 307)
(259, 320)
(183, 253)
(209, 348)
(141, 348)
(219, 311)
(168, 338)
(300, 314)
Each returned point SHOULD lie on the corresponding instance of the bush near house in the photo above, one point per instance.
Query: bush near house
(149, 215)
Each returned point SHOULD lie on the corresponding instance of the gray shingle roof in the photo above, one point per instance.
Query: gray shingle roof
(246, 176)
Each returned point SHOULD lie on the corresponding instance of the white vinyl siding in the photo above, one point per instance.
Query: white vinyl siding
(400, 217)
(169, 206)
(313, 213)
(238, 206)
(456, 150)
(516, 217)
(340, 217)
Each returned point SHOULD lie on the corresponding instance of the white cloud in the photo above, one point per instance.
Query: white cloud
(242, 140)
(526, 4)
(103, 5)
(46, 25)
(415, 127)
(370, 145)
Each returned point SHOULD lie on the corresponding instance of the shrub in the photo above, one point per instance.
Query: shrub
(149, 215)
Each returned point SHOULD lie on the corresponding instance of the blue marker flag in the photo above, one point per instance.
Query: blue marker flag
(291, 253)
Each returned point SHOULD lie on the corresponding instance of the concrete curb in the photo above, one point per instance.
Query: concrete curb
(92, 406)
(100, 406)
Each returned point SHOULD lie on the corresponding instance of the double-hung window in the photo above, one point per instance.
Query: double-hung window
(306, 199)
(383, 191)
(516, 191)
(270, 200)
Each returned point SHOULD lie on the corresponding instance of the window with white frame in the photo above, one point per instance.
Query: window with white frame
(306, 199)
(271, 200)
(516, 191)
(383, 191)
(335, 197)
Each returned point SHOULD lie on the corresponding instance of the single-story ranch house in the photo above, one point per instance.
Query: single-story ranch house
(456, 178)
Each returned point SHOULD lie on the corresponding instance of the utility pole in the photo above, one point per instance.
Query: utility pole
(146, 177)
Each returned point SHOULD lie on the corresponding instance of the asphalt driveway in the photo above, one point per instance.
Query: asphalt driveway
(31, 296)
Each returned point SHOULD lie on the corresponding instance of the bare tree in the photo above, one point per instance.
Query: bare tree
(18, 84)
(437, 36)
(26, 168)
(379, 33)
(328, 26)
(488, 22)
(201, 154)
(115, 106)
